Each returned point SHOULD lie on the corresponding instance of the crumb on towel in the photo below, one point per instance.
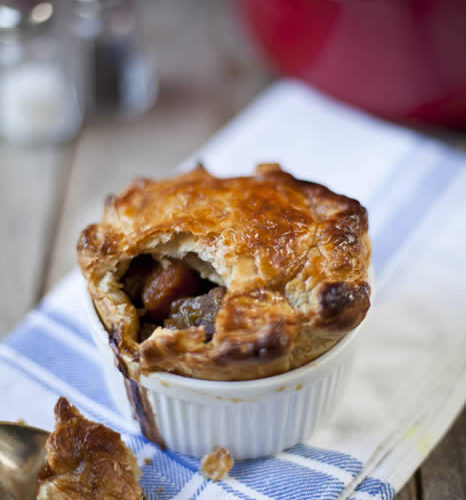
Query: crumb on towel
(216, 464)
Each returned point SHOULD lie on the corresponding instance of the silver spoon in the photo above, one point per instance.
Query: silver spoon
(22, 455)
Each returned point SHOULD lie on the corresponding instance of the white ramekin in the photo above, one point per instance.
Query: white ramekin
(253, 418)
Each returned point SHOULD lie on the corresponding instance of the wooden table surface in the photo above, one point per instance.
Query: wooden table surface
(207, 73)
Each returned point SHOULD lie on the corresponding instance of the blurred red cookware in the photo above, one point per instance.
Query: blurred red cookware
(402, 59)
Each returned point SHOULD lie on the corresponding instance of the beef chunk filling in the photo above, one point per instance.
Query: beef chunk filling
(173, 295)
(196, 311)
(163, 285)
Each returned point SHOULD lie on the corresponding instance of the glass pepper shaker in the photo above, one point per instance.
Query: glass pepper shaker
(38, 98)
(117, 65)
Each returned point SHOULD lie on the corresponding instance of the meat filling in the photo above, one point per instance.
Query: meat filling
(172, 295)
(197, 311)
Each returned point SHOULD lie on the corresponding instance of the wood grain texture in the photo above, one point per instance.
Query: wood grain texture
(443, 474)
(410, 491)
(31, 187)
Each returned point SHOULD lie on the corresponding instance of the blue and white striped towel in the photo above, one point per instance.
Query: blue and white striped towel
(410, 376)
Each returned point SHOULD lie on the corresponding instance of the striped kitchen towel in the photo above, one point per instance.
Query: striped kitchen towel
(409, 381)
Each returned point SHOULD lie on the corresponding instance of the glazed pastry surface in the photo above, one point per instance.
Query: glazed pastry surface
(87, 460)
(227, 279)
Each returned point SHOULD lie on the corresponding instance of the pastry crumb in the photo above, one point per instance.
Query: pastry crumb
(216, 464)
(160, 489)
(21, 421)
(147, 461)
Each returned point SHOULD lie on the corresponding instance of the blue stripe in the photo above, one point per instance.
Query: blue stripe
(194, 464)
(189, 461)
(397, 173)
(199, 490)
(162, 471)
(80, 330)
(376, 488)
(92, 414)
(411, 212)
(337, 459)
(235, 492)
(330, 487)
(61, 360)
(184, 460)
(284, 480)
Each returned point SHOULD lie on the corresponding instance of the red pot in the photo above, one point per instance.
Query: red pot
(402, 59)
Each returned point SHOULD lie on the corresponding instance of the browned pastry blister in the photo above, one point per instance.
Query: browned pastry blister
(227, 279)
(86, 460)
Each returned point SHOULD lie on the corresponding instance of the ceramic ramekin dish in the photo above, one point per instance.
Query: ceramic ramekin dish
(251, 418)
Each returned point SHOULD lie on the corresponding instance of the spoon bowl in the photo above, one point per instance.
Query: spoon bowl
(22, 455)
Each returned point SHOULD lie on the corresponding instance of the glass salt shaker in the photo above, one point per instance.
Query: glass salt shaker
(117, 73)
(38, 98)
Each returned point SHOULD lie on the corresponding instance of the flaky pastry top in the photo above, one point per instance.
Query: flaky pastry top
(292, 257)
(86, 460)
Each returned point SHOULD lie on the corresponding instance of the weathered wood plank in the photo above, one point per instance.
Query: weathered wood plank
(207, 73)
(443, 474)
(409, 492)
(30, 193)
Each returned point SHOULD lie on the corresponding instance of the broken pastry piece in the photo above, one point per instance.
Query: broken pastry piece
(227, 278)
(217, 464)
(86, 460)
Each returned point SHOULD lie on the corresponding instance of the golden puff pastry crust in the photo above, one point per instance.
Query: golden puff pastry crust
(86, 460)
(289, 260)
